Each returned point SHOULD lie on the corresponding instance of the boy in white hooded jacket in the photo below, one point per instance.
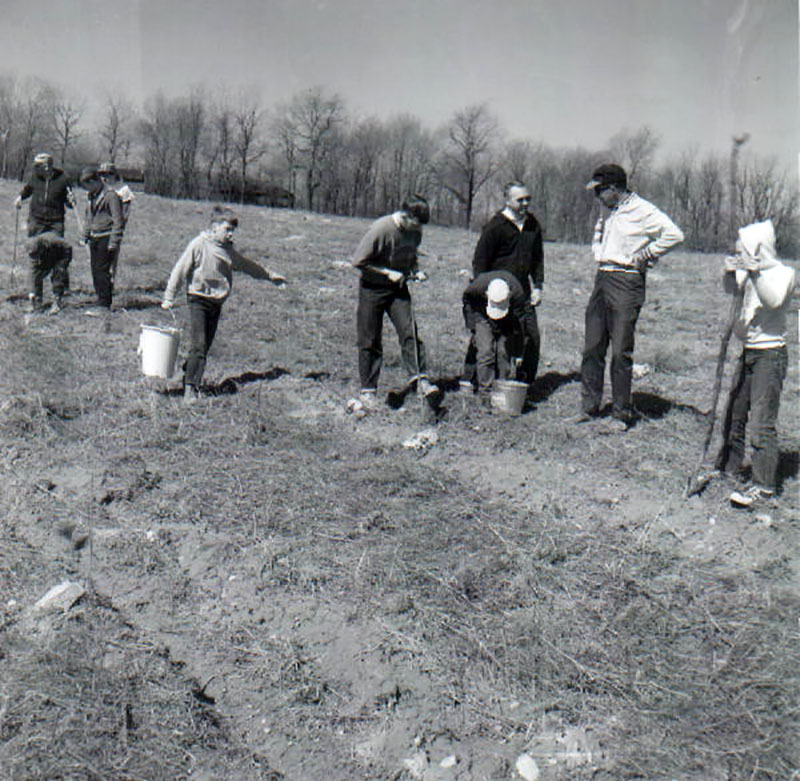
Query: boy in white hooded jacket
(755, 392)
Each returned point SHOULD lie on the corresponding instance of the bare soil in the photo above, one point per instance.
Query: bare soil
(277, 588)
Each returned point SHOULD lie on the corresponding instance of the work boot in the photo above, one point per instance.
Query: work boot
(56, 306)
(34, 303)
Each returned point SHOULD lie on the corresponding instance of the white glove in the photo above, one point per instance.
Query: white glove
(395, 276)
(167, 305)
(536, 296)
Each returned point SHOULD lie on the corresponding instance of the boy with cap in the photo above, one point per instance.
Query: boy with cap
(50, 193)
(629, 238)
(494, 305)
(387, 258)
(102, 231)
(767, 286)
(206, 268)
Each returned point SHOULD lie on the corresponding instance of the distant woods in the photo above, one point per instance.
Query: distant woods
(313, 153)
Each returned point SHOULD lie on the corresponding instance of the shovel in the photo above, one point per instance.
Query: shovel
(700, 479)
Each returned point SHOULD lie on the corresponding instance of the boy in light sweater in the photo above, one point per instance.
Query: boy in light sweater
(756, 388)
(206, 267)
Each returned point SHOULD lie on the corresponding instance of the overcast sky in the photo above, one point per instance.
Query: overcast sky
(566, 72)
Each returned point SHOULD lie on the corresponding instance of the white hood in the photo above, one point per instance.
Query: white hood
(758, 240)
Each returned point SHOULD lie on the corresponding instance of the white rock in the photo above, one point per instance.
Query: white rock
(450, 761)
(61, 597)
(417, 765)
(641, 370)
(527, 767)
(422, 441)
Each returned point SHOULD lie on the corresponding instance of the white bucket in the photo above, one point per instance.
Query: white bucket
(159, 350)
(509, 396)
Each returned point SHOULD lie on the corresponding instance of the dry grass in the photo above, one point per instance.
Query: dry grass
(276, 587)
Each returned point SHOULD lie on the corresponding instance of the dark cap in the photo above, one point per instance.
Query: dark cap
(608, 174)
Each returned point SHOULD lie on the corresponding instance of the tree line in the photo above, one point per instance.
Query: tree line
(328, 159)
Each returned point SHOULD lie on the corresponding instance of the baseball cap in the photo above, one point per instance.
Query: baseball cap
(608, 174)
(43, 158)
(107, 168)
(498, 299)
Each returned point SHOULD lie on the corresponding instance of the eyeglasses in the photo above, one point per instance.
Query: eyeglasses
(601, 188)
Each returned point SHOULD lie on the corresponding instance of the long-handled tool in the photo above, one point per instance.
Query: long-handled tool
(700, 479)
(16, 238)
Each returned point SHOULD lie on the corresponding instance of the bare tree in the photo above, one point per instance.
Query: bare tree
(311, 118)
(467, 162)
(635, 151)
(116, 128)
(246, 122)
(66, 114)
(408, 167)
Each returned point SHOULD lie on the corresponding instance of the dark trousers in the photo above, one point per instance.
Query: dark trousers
(529, 352)
(755, 393)
(611, 316)
(496, 342)
(373, 304)
(203, 320)
(103, 261)
(49, 254)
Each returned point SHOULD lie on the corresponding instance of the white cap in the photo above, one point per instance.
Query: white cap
(498, 299)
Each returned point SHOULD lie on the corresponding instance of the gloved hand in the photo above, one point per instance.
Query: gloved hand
(18, 202)
(418, 276)
(167, 305)
(536, 296)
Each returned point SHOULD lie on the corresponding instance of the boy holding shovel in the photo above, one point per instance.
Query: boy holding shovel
(757, 382)
(206, 268)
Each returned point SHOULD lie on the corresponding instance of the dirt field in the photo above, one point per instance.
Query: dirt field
(275, 588)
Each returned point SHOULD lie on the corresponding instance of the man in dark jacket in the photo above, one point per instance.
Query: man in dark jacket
(50, 193)
(512, 241)
(387, 258)
(102, 231)
(494, 311)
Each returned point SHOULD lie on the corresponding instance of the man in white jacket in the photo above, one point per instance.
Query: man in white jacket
(767, 285)
(628, 240)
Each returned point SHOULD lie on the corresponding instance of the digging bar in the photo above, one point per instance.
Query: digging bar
(700, 479)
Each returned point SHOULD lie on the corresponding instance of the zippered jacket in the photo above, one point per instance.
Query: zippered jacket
(48, 197)
(104, 217)
(502, 246)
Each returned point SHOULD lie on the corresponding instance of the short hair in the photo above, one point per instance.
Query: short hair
(223, 214)
(417, 206)
(513, 183)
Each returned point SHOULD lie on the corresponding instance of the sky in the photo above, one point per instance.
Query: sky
(567, 73)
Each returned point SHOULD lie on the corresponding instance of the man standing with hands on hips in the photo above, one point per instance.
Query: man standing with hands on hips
(629, 238)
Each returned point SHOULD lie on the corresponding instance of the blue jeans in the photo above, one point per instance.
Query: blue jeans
(755, 393)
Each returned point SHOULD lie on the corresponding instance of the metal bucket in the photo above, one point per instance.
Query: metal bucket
(509, 396)
(158, 348)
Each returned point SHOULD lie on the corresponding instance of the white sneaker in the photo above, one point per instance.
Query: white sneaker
(426, 388)
(369, 399)
(750, 496)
